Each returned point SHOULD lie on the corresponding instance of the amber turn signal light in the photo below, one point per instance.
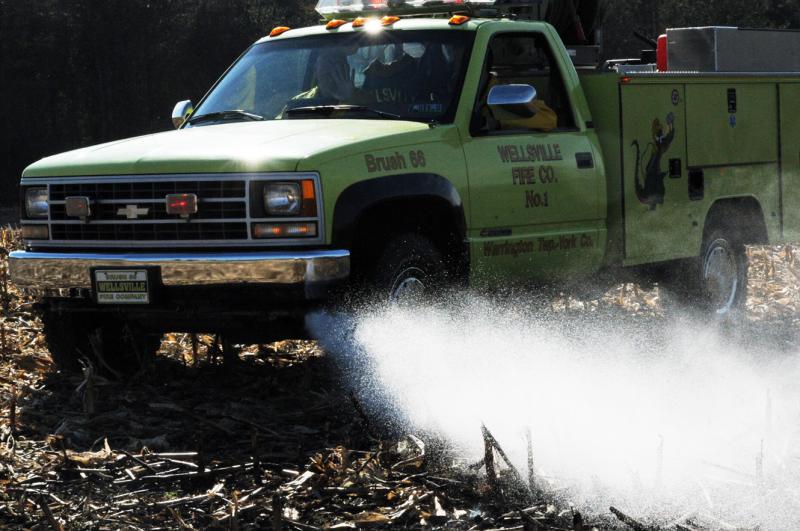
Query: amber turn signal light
(263, 231)
(309, 199)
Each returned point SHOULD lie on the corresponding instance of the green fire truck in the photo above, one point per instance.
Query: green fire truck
(401, 146)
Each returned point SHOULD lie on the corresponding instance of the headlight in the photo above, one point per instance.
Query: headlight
(283, 199)
(36, 206)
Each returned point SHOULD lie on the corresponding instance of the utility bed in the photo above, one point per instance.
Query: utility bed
(676, 143)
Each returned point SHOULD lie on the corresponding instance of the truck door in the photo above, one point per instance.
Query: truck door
(537, 203)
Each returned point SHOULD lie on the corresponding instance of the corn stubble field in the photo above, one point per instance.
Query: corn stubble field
(272, 442)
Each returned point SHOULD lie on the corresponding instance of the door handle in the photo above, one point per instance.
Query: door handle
(585, 161)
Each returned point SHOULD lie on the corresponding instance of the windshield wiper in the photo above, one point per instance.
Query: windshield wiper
(236, 114)
(327, 110)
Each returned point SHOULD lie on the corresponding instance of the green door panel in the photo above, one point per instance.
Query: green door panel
(790, 159)
(562, 253)
(661, 221)
(722, 118)
(534, 213)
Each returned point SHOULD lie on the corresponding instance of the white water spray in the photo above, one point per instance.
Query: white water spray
(659, 417)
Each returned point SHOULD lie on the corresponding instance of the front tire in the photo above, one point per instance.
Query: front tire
(67, 339)
(410, 267)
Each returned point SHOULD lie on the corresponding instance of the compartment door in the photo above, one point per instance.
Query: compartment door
(655, 184)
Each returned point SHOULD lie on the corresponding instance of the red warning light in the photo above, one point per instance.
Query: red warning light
(183, 205)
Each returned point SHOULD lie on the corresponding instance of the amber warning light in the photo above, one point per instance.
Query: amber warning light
(280, 30)
(335, 24)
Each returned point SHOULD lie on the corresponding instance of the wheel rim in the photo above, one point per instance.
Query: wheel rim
(408, 287)
(721, 277)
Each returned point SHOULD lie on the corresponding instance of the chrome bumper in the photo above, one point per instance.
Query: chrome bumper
(69, 274)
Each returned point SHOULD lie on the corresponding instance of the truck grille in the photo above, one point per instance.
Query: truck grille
(151, 191)
(131, 211)
(222, 211)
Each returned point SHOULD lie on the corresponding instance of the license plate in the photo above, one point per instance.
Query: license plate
(122, 286)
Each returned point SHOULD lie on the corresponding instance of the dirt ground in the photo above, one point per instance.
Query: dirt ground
(272, 442)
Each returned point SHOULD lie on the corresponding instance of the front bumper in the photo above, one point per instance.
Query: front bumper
(68, 275)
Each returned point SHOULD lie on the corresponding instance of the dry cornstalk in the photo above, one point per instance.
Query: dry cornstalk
(627, 520)
(488, 461)
(51, 519)
(492, 443)
(277, 513)
(12, 414)
(531, 473)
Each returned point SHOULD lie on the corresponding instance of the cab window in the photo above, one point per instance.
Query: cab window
(525, 59)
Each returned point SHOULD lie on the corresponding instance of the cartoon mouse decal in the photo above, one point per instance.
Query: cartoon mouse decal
(652, 192)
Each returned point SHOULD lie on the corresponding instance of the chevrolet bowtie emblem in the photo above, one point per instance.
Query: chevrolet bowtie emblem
(133, 211)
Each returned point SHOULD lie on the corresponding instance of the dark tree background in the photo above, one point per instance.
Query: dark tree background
(80, 72)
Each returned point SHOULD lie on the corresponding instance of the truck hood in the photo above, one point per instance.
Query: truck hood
(278, 145)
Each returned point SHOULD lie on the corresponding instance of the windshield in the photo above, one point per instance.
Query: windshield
(409, 75)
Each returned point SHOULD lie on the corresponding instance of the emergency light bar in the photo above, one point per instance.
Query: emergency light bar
(352, 8)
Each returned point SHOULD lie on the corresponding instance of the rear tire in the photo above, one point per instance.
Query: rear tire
(715, 283)
(113, 346)
(723, 275)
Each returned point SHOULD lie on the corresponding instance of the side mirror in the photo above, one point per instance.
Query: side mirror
(181, 112)
(516, 99)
